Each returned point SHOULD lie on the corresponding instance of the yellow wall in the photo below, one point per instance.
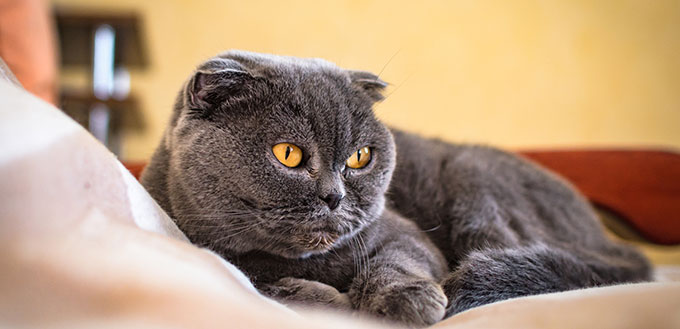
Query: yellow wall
(509, 73)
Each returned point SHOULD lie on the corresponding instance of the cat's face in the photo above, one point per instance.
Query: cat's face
(259, 155)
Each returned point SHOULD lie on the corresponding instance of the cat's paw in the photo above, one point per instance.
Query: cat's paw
(417, 303)
(295, 291)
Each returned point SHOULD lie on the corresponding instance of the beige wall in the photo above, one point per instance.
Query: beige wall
(512, 73)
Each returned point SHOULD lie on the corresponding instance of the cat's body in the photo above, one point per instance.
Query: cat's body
(456, 226)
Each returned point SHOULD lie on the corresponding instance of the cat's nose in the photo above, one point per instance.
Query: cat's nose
(333, 199)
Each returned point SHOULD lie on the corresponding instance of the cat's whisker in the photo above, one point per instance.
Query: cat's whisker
(388, 62)
(436, 227)
(364, 250)
(398, 86)
(212, 225)
(358, 256)
(362, 256)
(219, 214)
(227, 230)
(217, 224)
(242, 231)
(220, 233)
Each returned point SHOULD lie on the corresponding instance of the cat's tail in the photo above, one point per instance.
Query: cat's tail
(497, 274)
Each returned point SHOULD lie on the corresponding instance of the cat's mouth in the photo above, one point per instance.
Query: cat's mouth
(313, 234)
(318, 241)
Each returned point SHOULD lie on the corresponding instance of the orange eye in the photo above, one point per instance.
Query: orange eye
(360, 158)
(288, 154)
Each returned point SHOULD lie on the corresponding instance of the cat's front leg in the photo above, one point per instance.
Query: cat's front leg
(296, 291)
(400, 281)
(407, 299)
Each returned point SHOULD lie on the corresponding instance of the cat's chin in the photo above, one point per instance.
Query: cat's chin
(316, 243)
(316, 235)
(318, 240)
(300, 254)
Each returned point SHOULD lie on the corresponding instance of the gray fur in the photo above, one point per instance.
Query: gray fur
(426, 229)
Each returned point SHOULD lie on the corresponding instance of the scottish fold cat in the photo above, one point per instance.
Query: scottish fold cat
(280, 165)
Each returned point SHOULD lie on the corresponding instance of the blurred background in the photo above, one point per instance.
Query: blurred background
(518, 74)
(589, 89)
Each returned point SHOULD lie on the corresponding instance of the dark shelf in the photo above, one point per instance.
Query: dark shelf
(126, 113)
(76, 28)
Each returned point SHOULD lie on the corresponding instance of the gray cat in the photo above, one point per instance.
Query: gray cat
(279, 165)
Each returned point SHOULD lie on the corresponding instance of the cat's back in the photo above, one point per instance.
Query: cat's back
(476, 193)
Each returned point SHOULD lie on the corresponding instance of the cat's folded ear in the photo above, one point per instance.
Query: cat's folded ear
(368, 83)
(215, 82)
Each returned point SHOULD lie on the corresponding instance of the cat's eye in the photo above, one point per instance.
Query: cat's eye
(288, 154)
(360, 158)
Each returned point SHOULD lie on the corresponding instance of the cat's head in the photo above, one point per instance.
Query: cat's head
(277, 154)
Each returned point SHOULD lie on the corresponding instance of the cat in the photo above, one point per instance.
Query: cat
(280, 165)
